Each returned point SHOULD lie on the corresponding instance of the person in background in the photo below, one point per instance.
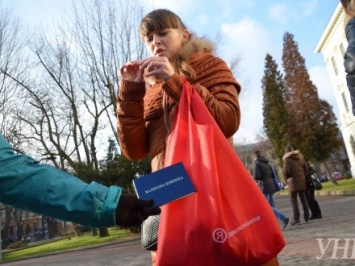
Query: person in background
(40, 188)
(312, 202)
(349, 56)
(150, 89)
(295, 170)
(263, 171)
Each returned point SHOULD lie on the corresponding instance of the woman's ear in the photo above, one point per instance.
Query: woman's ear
(185, 36)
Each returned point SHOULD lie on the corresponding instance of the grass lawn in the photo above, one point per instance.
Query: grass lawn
(344, 184)
(65, 243)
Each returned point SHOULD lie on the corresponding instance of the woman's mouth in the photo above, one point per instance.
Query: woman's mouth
(159, 52)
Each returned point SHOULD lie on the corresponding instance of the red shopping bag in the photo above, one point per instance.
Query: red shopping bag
(228, 221)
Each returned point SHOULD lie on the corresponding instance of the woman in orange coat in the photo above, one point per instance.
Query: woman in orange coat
(150, 89)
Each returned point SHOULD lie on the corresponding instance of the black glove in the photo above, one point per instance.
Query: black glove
(132, 211)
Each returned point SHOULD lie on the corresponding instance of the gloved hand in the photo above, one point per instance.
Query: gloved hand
(132, 211)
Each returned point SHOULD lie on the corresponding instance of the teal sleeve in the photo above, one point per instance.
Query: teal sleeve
(46, 190)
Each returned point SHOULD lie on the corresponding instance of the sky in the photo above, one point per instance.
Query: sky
(248, 30)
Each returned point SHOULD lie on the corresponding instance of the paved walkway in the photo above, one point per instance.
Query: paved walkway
(326, 241)
(329, 241)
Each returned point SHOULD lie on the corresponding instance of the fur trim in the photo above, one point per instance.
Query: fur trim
(295, 154)
(195, 45)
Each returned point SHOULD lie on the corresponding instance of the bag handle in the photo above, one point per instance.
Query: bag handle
(195, 104)
(190, 106)
(183, 110)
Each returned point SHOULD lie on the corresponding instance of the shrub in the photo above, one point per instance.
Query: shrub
(83, 228)
(347, 175)
(18, 244)
(135, 229)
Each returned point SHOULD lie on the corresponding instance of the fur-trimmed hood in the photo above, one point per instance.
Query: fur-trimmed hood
(296, 155)
(194, 46)
(294, 170)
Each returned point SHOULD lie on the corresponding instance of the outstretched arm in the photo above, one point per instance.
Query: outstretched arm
(46, 190)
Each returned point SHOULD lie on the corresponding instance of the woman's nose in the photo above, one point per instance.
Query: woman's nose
(156, 39)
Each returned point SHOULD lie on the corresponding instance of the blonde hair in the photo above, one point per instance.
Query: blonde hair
(349, 7)
(164, 19)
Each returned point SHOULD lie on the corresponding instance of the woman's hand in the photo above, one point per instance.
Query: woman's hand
(159, 67)
(132, 71)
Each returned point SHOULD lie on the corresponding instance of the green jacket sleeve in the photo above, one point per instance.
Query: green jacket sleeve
(27, 184)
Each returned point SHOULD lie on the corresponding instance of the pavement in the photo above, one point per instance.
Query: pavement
(329, 241)
(326, 241)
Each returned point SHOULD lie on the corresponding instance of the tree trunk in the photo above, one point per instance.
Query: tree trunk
(103, 232)
(329, 174)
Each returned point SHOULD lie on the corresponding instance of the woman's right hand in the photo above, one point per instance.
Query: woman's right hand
(131, 71)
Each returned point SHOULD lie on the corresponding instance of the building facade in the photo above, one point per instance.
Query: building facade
(332, 45)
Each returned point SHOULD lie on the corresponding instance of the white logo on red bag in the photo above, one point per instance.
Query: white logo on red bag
(220, 235)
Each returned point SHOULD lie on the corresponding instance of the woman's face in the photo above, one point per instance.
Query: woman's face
(165, 42)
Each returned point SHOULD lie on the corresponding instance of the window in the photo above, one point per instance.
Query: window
(345, 101)
(352, 142)
(334, 66)
(342, 49)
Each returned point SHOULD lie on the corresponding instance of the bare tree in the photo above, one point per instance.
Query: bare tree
(11, 60)
(68, 108)
(70, 104)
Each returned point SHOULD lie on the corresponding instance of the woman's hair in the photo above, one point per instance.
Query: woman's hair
(349, 7)
(160, 19)
(288, 148)
(165, 19)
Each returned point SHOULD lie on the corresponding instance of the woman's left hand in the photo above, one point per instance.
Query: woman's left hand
(159, 67)
(132, 71)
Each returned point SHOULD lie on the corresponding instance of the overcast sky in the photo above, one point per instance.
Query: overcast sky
(249, 29)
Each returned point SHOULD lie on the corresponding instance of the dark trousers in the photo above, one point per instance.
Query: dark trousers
(313, 203)
(294, 202)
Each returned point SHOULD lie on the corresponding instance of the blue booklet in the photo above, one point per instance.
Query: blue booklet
(164, 185)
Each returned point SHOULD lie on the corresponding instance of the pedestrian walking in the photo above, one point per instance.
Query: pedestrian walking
(263, 172)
